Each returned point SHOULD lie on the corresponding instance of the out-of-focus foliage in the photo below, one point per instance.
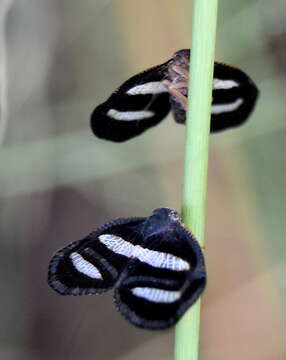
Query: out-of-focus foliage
(58, 182)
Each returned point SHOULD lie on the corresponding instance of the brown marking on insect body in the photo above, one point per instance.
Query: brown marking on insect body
(177, 81)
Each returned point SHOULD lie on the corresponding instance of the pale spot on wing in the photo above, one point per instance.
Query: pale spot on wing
(220, 84)
(151, 257)
(129, 115)
(153, 87)
(223, 108)
(84, 267)
(156, 295)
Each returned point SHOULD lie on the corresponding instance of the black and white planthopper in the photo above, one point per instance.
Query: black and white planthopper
(146, 98)
(154, 265)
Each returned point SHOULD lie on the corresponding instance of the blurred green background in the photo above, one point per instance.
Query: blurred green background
(58, 182)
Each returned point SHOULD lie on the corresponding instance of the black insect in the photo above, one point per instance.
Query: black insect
(154, 264)
(145, 99)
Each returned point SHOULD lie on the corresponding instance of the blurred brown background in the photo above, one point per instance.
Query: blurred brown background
(58, 182)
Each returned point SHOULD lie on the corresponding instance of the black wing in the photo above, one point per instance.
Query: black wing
(234, 97)
(165, 277)
(92, 265)
(138, 104)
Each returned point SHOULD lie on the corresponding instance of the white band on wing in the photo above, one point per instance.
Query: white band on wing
(130, 115)
(153, 87)
(156, 295)
(223, 108)
(84, 267)
(151, 257)
(220, 84)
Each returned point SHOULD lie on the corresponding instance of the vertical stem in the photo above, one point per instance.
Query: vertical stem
(196, 154)
(5, 6)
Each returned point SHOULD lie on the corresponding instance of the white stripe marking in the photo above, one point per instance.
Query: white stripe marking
(129, 115)
(222, 108)
(150, 257)
(84, 266)
(117, 244)
(156, 295)
(219, 84)
(153, 87)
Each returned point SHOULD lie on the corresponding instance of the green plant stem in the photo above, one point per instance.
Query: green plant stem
(196, 154)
